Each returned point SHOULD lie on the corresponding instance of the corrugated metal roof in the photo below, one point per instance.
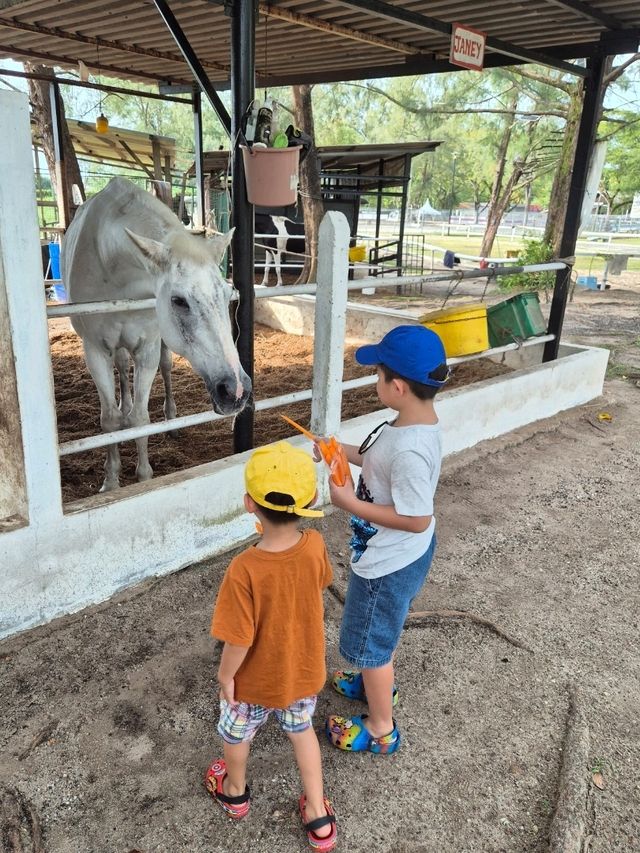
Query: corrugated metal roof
(298, 40)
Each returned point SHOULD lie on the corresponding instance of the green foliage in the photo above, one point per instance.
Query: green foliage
(533, 252)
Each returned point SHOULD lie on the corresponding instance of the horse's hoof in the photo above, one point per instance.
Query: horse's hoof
(109, 486)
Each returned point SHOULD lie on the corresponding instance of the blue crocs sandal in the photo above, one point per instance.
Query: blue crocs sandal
(352, 735)
(350, 683)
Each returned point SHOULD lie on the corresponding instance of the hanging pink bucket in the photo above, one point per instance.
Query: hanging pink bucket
(271, 175)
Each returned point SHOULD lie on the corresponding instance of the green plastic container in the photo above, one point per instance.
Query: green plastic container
(515, 319)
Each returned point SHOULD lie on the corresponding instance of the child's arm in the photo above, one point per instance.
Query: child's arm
(230, 662)
(380, 514)
(353, 456)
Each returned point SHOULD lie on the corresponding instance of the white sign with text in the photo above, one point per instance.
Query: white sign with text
(467, 47)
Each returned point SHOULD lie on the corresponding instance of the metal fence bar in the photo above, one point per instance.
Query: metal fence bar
(71, 308)
(92, 442)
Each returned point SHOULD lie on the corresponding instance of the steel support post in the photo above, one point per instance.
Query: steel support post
(198, 156)
(584, 148)
(243, 34)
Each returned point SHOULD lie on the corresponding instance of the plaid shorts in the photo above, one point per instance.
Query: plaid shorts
(240, 722)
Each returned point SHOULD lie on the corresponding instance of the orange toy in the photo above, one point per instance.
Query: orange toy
(332, 453)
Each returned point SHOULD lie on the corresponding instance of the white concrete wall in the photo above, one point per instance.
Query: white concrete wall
(497, 406)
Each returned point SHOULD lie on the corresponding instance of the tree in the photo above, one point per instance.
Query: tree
(39, 96)
(310, 188)
(573, 108)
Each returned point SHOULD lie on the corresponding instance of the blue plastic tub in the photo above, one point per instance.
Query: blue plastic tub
(54, 258)
(588, 281)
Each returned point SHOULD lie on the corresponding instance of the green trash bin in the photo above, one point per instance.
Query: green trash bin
(515, 319)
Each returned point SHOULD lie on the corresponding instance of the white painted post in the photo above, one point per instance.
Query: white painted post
(21, 265)
(330, 326)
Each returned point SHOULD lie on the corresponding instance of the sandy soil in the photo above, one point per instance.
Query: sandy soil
(109, 716)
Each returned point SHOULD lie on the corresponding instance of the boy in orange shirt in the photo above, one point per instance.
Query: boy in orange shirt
(270, 615)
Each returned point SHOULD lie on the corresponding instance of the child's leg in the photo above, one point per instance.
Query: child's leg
(235, 756)
(307, 753)
(378, 685)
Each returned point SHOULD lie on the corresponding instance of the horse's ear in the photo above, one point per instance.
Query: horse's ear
(155, 251)
(218, 243)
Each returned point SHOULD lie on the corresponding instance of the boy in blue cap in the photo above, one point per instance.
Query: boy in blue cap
(393, 527)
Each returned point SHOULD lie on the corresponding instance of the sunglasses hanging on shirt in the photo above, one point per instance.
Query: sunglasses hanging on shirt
(373, 436)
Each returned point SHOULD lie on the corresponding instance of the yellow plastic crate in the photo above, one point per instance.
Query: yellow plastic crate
(463, 329)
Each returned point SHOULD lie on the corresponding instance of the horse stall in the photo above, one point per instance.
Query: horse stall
(60, 557)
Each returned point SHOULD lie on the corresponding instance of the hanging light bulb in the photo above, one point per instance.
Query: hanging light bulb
(102, 123)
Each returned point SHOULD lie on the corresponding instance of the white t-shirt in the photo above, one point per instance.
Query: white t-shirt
(400, 469)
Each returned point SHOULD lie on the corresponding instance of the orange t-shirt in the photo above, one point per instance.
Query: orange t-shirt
(272, 603)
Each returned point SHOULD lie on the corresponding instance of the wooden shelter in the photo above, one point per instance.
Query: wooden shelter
(146, 152)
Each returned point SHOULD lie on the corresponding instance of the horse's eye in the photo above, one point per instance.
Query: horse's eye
(180, 302)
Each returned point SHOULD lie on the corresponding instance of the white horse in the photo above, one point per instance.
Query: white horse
(125, 244)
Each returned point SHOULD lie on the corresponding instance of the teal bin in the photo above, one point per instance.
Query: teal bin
(515, 319)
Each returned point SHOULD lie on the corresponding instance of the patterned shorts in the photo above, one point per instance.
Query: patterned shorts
(240, 722)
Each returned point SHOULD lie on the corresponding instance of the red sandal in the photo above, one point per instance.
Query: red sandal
(235, 807)
(316, 842)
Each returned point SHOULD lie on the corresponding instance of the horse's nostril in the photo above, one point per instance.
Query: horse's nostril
(224, 391)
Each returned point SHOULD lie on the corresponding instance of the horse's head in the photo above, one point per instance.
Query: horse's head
(192, 304)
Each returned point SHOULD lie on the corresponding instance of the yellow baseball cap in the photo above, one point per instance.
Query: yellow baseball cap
(282, 468)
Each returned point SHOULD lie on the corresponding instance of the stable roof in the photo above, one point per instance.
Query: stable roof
(312, 41)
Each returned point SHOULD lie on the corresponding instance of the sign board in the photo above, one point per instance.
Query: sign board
(467, 47)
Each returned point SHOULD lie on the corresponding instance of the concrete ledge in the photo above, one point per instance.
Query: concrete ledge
(295, 315)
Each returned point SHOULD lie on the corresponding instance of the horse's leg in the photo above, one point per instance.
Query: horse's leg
(145, 367)
(100, 365)
(122, 366)
(277, 257)
(267, 266)
(169, 407)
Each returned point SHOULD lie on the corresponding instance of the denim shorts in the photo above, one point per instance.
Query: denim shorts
(240, 722)
(375, 610)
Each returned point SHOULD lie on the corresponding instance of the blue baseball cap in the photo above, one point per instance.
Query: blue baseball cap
(411, 351)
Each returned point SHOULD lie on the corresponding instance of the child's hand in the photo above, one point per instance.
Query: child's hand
(343, 496)
(228, 691)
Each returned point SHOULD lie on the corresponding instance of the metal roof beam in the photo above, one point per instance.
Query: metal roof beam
(423, 22)
(425, 64)
(586, 10)
(194, 63)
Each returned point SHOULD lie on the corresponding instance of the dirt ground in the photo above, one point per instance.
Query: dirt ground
(109, 715)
